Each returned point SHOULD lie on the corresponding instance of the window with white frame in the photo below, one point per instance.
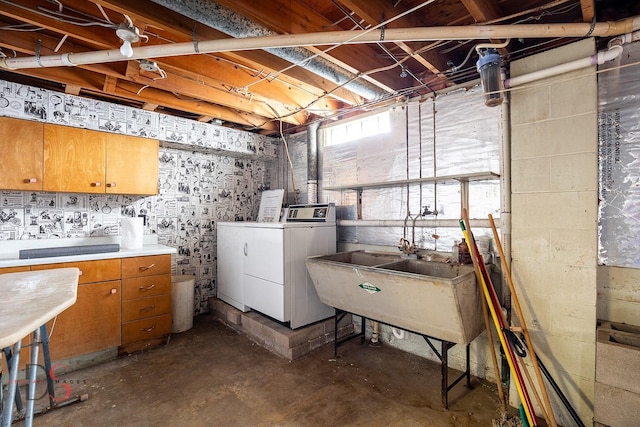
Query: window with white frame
(358, 129)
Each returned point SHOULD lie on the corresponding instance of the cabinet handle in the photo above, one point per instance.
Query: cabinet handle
(80, 273)
(148, 288)
(114, 291)
(30, 180)
(143, 268)
(151, 307)
(111, 184)
(96, 184)
(246, 249)
(147, 329)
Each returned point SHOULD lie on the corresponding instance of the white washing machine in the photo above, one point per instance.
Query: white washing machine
(261, 264)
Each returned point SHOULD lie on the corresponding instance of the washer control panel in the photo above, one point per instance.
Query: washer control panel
(311, 213)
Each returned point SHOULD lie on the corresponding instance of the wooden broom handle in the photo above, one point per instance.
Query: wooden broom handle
(516, 303)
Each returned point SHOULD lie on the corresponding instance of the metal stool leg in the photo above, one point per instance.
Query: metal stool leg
(7, 410)
(33, 371)
(8, 354)
(46, 355)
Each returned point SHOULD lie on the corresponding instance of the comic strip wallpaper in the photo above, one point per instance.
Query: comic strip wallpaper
(197, 187)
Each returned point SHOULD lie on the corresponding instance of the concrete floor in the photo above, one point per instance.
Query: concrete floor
(212, 375)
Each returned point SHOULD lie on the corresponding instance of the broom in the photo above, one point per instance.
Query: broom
(500, 323)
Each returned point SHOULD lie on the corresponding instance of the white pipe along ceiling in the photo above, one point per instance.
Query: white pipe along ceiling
(578, 30)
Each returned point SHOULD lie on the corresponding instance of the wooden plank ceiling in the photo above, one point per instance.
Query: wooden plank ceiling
(260, 90)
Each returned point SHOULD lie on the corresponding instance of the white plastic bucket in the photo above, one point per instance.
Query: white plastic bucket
(182, 306)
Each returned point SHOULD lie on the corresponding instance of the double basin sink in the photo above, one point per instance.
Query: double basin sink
(436, 299)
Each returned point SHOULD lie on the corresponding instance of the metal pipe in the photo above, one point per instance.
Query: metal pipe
(505, 196)
(312, 162)
(480, 223)
(577, 30)
(614, 50)
(375, 334)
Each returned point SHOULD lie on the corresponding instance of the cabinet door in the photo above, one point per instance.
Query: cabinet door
(74, 159)
(21, 148)
(132, 165)
(91, 324)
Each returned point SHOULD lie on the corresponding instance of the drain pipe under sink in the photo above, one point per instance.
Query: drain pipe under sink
(398, 333)
(375, 334)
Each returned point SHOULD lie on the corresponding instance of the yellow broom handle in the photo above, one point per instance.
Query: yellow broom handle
(516, 303)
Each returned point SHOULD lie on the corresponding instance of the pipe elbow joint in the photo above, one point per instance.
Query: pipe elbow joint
(614, 51)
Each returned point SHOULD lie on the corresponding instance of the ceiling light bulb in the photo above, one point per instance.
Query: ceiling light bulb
(128, 34)
(126, 49)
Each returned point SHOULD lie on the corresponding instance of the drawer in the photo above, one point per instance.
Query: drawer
(142, 308)
(146, 329)
(14, 269)
(142, 287)
(100, 270)
(146, 266)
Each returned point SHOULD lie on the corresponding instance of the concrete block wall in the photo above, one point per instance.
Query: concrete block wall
(617, 386)
(554, 219)
(618, 296)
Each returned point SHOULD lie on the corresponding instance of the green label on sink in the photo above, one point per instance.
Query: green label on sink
(372, 289)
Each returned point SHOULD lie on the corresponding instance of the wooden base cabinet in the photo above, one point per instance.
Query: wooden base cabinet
(122, 303)
(93, 322)
(146, 301)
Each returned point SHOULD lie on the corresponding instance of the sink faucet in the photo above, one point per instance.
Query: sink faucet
(408, 247)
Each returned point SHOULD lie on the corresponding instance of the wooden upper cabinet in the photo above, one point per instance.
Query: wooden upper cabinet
(87, 161)
(132, 165)
(21, 148)
(74, 159)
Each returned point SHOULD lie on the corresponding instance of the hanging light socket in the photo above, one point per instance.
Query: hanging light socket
(128, 34)
(488, 66)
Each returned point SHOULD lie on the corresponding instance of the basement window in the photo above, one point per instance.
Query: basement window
(358, 129)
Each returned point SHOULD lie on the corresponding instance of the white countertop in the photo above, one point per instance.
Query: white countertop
(9, 250)
(32, 298)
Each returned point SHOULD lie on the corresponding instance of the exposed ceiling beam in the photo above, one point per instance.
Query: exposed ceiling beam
(297, 17)
(127, 91)
(180, 29)
(485, 11)
(25, 42)
(588, 10)
(95, 35)
(109, 84)
(72, 89)
(371, 12)
(188, 87)
(482, 10)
